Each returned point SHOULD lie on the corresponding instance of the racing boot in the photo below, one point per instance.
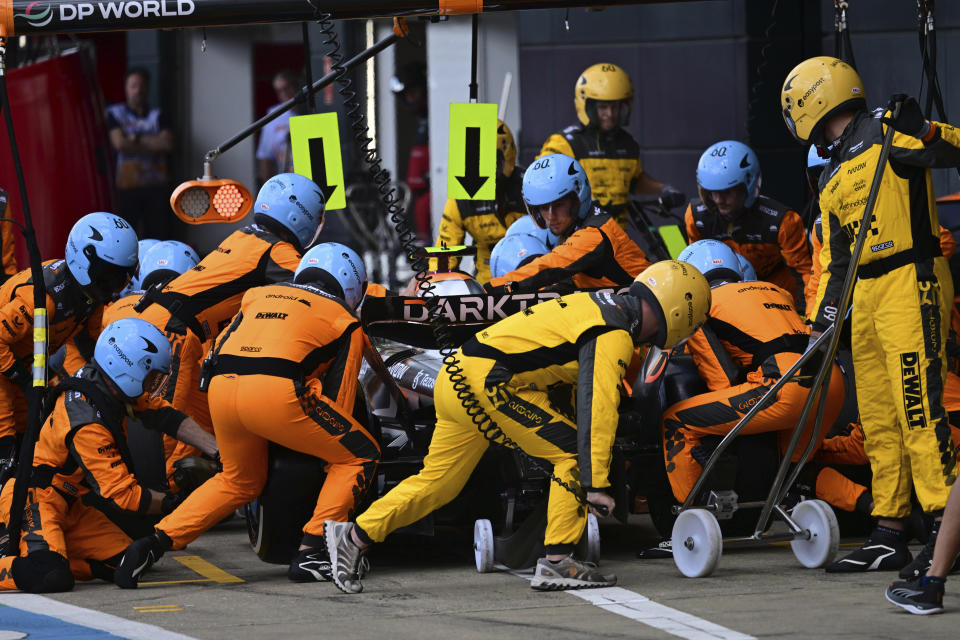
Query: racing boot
(885, 550)
(345, 556)
(924, 559)
(569, 573)
(140, 556)
(310, 565)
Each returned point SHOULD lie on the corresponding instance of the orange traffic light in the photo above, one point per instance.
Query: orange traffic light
(209, 200)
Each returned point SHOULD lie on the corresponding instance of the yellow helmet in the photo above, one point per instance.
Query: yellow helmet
(679, 293)
(507, 147)
(815, 90)
(606, 82)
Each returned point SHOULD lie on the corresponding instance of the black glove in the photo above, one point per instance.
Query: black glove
(171, 501)
(670, 198)
(20, 374)
(911, 120)
(811, 367)
(502, 290)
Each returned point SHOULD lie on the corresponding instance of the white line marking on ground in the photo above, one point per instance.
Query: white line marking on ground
(642, 609)
(635, 606)
(88, 618)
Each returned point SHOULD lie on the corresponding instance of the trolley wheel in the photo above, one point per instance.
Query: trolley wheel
(818, 518)
(593, 539)
(697, 543)
(483, 545)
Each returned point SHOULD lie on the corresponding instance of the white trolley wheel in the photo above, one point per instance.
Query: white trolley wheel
(818, 518)
(483, 545)
(593, 539)
(697, 543)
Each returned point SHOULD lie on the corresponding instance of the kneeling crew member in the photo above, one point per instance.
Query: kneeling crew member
(593, 250)
(84, 504)
(285, 371)
(583, 340)
(752, 328)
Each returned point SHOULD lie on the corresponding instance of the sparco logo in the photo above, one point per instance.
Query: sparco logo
(114, 10)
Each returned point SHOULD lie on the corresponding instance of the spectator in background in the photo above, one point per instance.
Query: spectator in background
(142, 138)
(273, 152)
(410, 86)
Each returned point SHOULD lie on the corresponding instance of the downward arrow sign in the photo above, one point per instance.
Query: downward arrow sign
(319, 168)
(472, 181)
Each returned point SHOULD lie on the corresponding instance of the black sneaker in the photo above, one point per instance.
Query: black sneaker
(139, 556)
(663, 549)
(921, 564)
(915, 598)
(310, 565)
(874, 555)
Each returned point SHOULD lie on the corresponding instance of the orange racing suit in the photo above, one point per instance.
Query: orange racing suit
(285, 371)
(84, 505)
(752, 327)
(596, 254)
(769, 234)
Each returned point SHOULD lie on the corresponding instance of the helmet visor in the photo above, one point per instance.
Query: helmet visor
(791, 125)
(107, 278)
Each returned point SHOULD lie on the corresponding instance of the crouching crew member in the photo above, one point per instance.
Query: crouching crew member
(752, 328)
(593, 250)
(583, 340)
(84, 504)
(194, 307)
(284, 371)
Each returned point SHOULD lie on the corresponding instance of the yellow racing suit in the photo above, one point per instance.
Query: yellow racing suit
(520, 370)
(611, 160)
(901, 306)
(485, 220)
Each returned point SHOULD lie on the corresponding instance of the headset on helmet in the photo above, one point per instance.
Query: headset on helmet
(336, 268)
(746, 268)
(680, 296)
(815, 90)
(507, 148)
(726, 164)
(295, 202)
(527, 225)
(165, 261)
(552, 177)
(128, 351)
(604, 82)
(715, 260)
(514, 251)
(101, 254)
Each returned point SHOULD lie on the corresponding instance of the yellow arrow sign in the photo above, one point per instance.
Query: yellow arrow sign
(472, 160)
(315, 142)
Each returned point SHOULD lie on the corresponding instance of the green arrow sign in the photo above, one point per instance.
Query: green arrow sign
(315, 142)
(472, 161)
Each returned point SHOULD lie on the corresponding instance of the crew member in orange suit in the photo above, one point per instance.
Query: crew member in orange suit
(85, 504)
(593, 250)
(284, 371)
(752, 328)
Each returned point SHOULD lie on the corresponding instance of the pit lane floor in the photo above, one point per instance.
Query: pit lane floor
(427, 587)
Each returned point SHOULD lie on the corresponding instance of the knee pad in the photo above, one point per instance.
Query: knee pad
(42, 572)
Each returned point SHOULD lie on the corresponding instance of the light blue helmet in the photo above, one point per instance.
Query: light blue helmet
(726, 164)
(295, 202)
(128, 351)
(513, 251)
(527, 225)
(715, 260)
(552, 177)
(142, 247)
(166, 259)
(101, 254)
(335, 268)
(746, 268)
(814, 159)
(815, 166)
